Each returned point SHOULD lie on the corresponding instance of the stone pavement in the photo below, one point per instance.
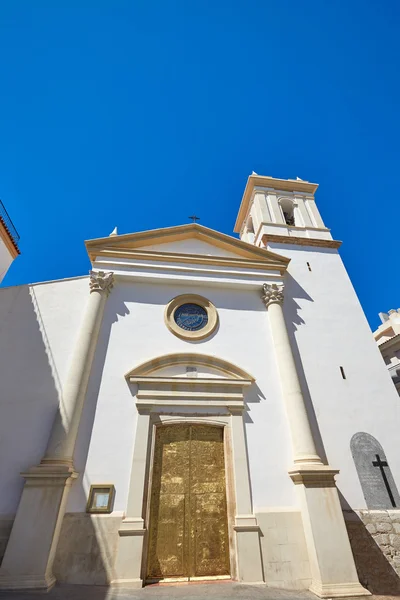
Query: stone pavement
(216, 591)
(223, 590)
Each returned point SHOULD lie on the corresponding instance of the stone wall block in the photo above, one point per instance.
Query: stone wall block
(385, 539)
(375, 540)
(395, 541)
(371, 528)
(394, 515)
(384, 527)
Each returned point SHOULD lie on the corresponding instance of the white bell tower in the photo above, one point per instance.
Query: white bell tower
(273, 209)
(342, 376)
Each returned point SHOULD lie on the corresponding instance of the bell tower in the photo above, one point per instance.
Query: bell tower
(283, 211)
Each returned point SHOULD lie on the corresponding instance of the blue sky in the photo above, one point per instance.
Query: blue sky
(138, 113)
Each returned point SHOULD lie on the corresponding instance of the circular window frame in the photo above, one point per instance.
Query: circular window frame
(184, 334)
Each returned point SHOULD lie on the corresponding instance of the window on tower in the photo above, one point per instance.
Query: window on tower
(288, 211)
(289, 218)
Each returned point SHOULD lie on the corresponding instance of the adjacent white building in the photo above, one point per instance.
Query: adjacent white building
(197, 408)
(9, 239)
(387, 336)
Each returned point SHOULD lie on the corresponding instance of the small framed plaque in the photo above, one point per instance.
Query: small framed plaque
(101, 498)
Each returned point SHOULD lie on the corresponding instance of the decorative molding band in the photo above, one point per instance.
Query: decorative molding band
(50, 475)
(266, 261)
(100, 281)
(299, 241)
(203, 394)
(314, 477)
(132, 526)
(27, 582)
(272, 294)
(246, 523)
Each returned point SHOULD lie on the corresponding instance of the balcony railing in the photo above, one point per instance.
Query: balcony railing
(5, 217)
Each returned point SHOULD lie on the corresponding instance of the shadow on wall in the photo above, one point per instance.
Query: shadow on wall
(293, 319)
(372, 560)
(30, 395)
(30, 390)
(88, 542)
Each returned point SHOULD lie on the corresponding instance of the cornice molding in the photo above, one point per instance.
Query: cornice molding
(135, 241)
(300, 241)
(142, 255)
(393, 341)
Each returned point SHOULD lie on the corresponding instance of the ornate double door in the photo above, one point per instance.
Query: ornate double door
(188, 531)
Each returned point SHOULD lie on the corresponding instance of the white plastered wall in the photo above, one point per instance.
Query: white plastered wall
(134, 331)
(330, 330)
(38, 328)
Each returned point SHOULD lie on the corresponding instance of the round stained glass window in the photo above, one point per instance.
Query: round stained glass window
(191, 317)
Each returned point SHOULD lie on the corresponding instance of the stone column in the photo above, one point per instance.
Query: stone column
(302, 439)
(276, 211)
(30, 552)
(62, 440)
(331, 560)
(303, 211)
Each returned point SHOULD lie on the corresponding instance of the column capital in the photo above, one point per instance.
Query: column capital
(272, 293)
(100, 281)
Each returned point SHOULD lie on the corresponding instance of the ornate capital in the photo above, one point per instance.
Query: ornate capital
(272, 293)
(99, 281)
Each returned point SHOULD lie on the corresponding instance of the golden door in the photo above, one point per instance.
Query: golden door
(188, 533)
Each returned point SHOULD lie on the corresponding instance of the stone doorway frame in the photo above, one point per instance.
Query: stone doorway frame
(208, 400)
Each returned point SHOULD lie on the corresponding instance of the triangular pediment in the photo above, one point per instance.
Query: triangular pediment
(185, 240)
(191, 246)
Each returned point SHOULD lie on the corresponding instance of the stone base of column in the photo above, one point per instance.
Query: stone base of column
(340, 590)
(26, 582)
(332, 565)
(29, 556)
(248, 549)
(128, 564)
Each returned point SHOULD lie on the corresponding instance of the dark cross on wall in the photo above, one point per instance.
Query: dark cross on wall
(381, 464)
(194, 218)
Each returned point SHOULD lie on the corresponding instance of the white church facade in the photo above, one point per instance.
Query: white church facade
(200, 407)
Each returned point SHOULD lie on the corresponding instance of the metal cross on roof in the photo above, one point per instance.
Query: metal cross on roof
(194, 218)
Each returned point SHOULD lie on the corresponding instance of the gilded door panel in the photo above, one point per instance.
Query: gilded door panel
(167, 546)
(188, 533)
(209, 552)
